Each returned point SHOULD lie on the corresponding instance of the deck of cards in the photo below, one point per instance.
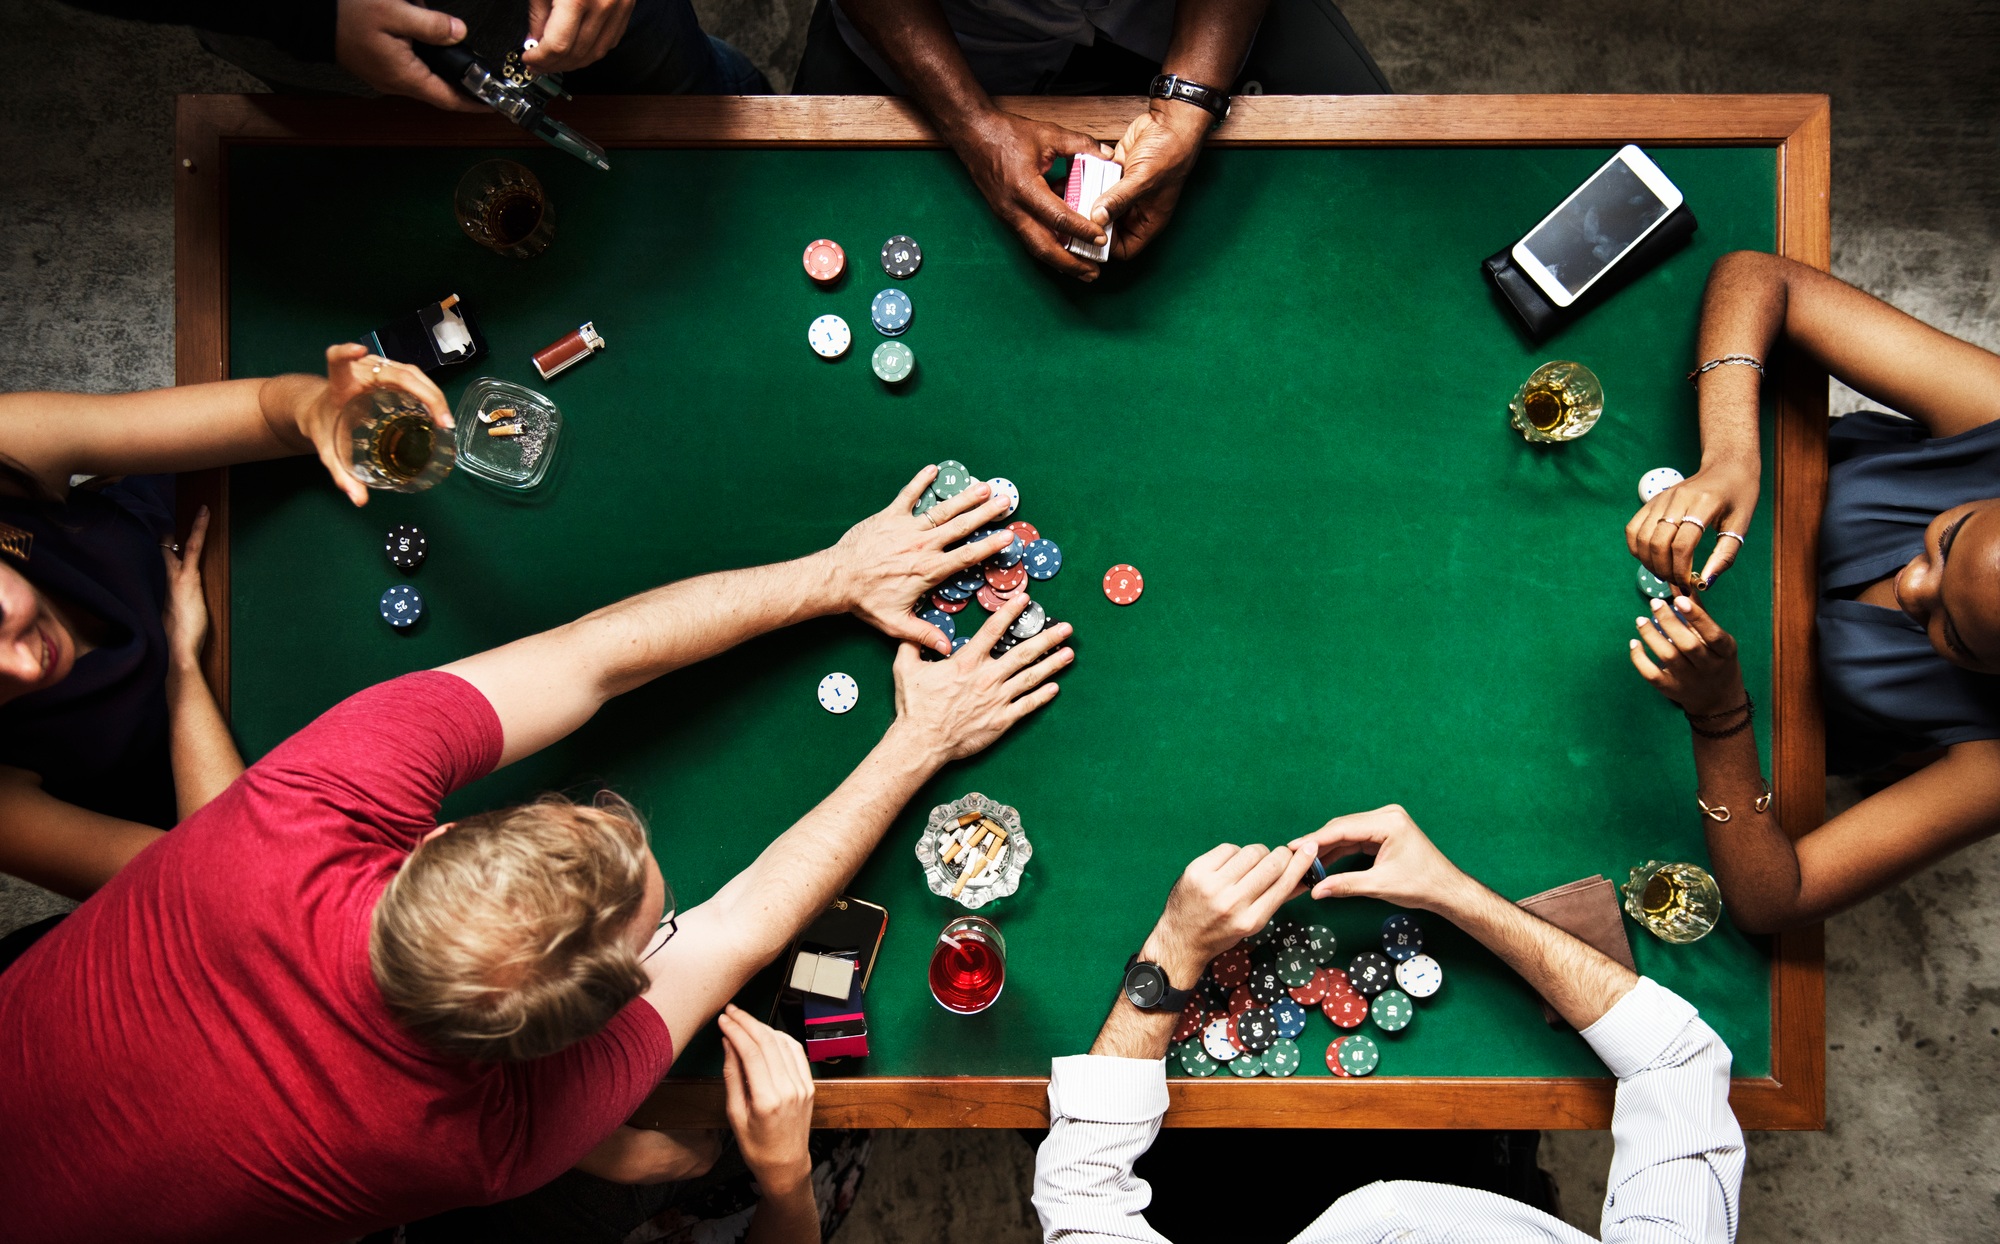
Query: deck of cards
(1089, 178)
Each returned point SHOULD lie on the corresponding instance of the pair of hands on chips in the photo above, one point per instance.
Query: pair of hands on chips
(372, 38)
(1008, 156)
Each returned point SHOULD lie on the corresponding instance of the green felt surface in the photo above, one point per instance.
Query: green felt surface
(1361, 586)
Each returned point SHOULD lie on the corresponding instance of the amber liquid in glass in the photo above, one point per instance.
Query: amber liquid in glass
(401, 447)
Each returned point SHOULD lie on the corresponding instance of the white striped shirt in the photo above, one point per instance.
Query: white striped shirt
(1676, 1172)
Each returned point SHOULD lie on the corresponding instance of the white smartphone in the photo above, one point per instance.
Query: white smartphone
(1596, 225)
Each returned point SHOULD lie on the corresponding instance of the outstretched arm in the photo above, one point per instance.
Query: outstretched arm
(545, 686)
(945, 710)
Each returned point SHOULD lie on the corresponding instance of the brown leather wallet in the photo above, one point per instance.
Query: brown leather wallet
(1587, 909)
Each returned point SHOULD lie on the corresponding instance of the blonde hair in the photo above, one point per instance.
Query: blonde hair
(506, 938)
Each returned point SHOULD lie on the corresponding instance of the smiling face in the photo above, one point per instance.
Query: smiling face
(1953, 586)
(36, 649)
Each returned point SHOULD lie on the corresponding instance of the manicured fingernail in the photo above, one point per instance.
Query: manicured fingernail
(1632, 643)
(1657, 605)
(1683, 603)
(1642, 621)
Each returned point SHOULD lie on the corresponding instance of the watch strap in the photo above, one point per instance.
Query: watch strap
(1173, 86)
(1172, 1001)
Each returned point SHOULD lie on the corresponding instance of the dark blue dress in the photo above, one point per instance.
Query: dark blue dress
(98, 738)
(1887, 691)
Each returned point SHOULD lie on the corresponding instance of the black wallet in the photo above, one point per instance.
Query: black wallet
(1543, 317)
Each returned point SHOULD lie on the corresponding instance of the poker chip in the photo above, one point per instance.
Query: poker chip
(1031, 621)
(1003, 487)
(952, 478)
(1211, 993)
(1247, 1066)
(1023, 531)
(1402, 936)
(940, 620)
(1193, 1020)
(1288, 934)
(1283, 1058)
(1346, 1010)
(1370, 973)
(402, 607)
(966, 582)
(948, 604)
(1333, 1057)
(828, 336)
(1294, 968)
(893, 362)
(926, 501)
(1289, 1017)
(901, 257)
(1232, 967)
(1420, 976)
(1256, 1029)
(1043, 559)
(406, 546)
(1123, 584)
(950, 590)
(1265, 985)
(1392, 1010)
(825, 261)
(1260, 937)
(1320, 945)
(838, 692)
(1331, 982)
(990, 600)
(1657, 481)
(1215, 1040)
(1006, 578)
(1312, 993)
(1195, 1061)
(959, 642)
(890, 312)
(1241, 1000)
(1359, 1055)
(1652, 585)
(1008, 557)
(1006, 645)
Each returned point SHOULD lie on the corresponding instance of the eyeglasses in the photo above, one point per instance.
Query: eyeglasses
(661, 935)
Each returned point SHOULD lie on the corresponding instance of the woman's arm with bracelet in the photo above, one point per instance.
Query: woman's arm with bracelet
(1768, 881)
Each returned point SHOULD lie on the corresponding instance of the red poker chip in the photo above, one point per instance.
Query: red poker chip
(824, 260)
(1231, 967)
(1240, 1000)
(945, 603)
(1124, 584)
(1007, 579)
(1193, 1020)
(1306, 995)
(1026, 531)
(1330, 982)
(988, 599)
(1333, 1059)
(1236, 1037)
(1346, 1011)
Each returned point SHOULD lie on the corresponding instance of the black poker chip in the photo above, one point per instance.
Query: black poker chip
(1212, 994)
(1370, 973)
(1288, 935)
(1402, 937)
(1257, 1028)
(901, 256)
(407, 546)
(1266, 986)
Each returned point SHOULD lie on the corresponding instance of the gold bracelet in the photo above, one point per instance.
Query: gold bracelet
(1718, 813)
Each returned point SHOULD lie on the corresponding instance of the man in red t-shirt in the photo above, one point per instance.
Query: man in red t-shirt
(310, 1011)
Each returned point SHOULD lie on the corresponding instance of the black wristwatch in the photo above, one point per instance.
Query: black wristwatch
(1173, 86)
(1147, 987)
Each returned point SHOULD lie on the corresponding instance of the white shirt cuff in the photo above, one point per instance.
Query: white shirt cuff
(1632, 1035)
(1092, 1088)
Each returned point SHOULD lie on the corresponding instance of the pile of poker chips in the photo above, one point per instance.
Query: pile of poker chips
(1031, 557)
(1251, 1005)
(890, 310)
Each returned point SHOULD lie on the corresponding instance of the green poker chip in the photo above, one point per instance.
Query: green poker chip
(925, 502)
(1295, 969)
(1392, 1010)
(1247, 1065)
(1359, 1055)
(1283, 1058)
(1320, 945)
(1194, 1060)
(952, 477)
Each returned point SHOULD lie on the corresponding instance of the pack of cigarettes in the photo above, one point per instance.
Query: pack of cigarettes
(1089, 178)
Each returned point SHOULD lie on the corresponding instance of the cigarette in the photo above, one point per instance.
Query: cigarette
(971, 871)
(951, 851)
(969, 818)
(448, 303)
(504, 429)
(495, 415)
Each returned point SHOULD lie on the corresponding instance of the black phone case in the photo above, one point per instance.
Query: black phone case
(848, 924)
(1543, 318)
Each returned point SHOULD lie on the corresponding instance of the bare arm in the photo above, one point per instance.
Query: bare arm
(945, 710)
(545, 686)
(58, 845)
(204, 756)
(639, 1155)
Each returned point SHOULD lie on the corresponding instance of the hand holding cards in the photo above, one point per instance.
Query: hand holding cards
(1089, 178)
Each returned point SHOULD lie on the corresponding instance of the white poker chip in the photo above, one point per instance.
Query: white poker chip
(1420, 976)
(1005, 488)
(1215, 1039)
(839, 692)
(829, 337)
(1657, 481)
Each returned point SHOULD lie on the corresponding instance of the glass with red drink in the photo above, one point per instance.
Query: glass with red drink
(968, 965)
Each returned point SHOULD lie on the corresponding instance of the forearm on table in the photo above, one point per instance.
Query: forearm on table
(1211, 38)
(1742, 313)
(917, 42)
(1579, 981)
(204, 756)
(786, 1212)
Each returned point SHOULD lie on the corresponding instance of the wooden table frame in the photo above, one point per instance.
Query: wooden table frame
(1797, 126)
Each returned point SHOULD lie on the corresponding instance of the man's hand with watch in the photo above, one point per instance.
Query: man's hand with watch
(1220, 899)
(1157, 153)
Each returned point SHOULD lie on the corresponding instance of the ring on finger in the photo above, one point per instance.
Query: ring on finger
(1671, 522)
(1731, 535)
(1689, 518)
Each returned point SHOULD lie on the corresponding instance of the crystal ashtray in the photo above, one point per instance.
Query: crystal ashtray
(979, 869)
(517, 460)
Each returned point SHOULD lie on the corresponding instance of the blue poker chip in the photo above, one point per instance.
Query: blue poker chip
(1290, 1017)
(950, 590)
(968, 581)
(402, 606)
(1402, 937)
(1011, 556)
(941, 620)
(891, 312)
(959, 641)
(1043, 559)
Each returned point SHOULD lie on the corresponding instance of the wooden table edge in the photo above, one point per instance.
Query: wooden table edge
(1798, 127)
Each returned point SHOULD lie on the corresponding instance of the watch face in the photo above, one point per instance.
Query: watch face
(1144, 986)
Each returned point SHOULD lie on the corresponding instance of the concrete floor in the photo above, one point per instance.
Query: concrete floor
(1912, 1148)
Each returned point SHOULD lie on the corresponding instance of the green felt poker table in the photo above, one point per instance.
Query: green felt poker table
(1290, 414)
